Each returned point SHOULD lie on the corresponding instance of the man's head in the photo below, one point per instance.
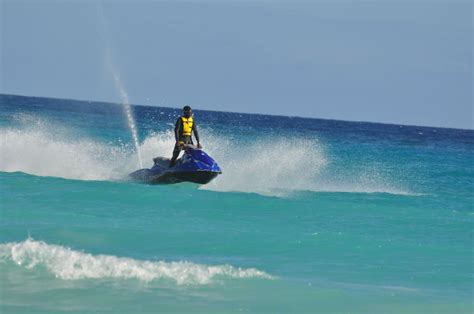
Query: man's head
(187, 111)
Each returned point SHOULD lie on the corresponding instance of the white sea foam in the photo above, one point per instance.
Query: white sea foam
(281, 167)
(41, 152)
(277, 167)
(270, 168)
(69, 264)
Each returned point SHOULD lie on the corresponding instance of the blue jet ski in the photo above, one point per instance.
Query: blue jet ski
(194, 166)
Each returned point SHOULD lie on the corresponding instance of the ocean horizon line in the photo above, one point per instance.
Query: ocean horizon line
(244, 113)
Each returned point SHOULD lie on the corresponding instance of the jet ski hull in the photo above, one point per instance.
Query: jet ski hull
(199, 177)
(195, 166)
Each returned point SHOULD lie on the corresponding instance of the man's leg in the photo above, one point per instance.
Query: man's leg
(176, 152)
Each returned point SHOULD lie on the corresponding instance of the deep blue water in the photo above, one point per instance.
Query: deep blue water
(309, 215)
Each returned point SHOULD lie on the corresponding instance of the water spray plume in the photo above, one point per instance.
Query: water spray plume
(128, 111)
(119, 85)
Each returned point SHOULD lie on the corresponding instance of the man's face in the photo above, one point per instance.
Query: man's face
(187, 114)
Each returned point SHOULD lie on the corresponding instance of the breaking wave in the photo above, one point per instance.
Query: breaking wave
(68, 264)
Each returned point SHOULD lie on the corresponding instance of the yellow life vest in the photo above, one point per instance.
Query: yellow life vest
(187, 126)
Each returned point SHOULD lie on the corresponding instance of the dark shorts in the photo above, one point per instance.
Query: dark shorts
(185, 140)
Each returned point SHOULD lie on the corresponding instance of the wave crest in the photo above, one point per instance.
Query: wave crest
(68, 264)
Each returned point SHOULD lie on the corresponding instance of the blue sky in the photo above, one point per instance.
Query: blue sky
(407, 62)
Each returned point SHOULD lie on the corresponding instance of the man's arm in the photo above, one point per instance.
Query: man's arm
(196, 134)
(177, 128)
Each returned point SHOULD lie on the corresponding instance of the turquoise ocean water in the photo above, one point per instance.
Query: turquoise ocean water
(316, 216)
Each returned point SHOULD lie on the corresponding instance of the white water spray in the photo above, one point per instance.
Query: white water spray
(296, 164)
(119, 85)
(128, 110)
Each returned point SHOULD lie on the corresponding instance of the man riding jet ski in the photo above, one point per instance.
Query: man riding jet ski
(195, 165)
(183, 129)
